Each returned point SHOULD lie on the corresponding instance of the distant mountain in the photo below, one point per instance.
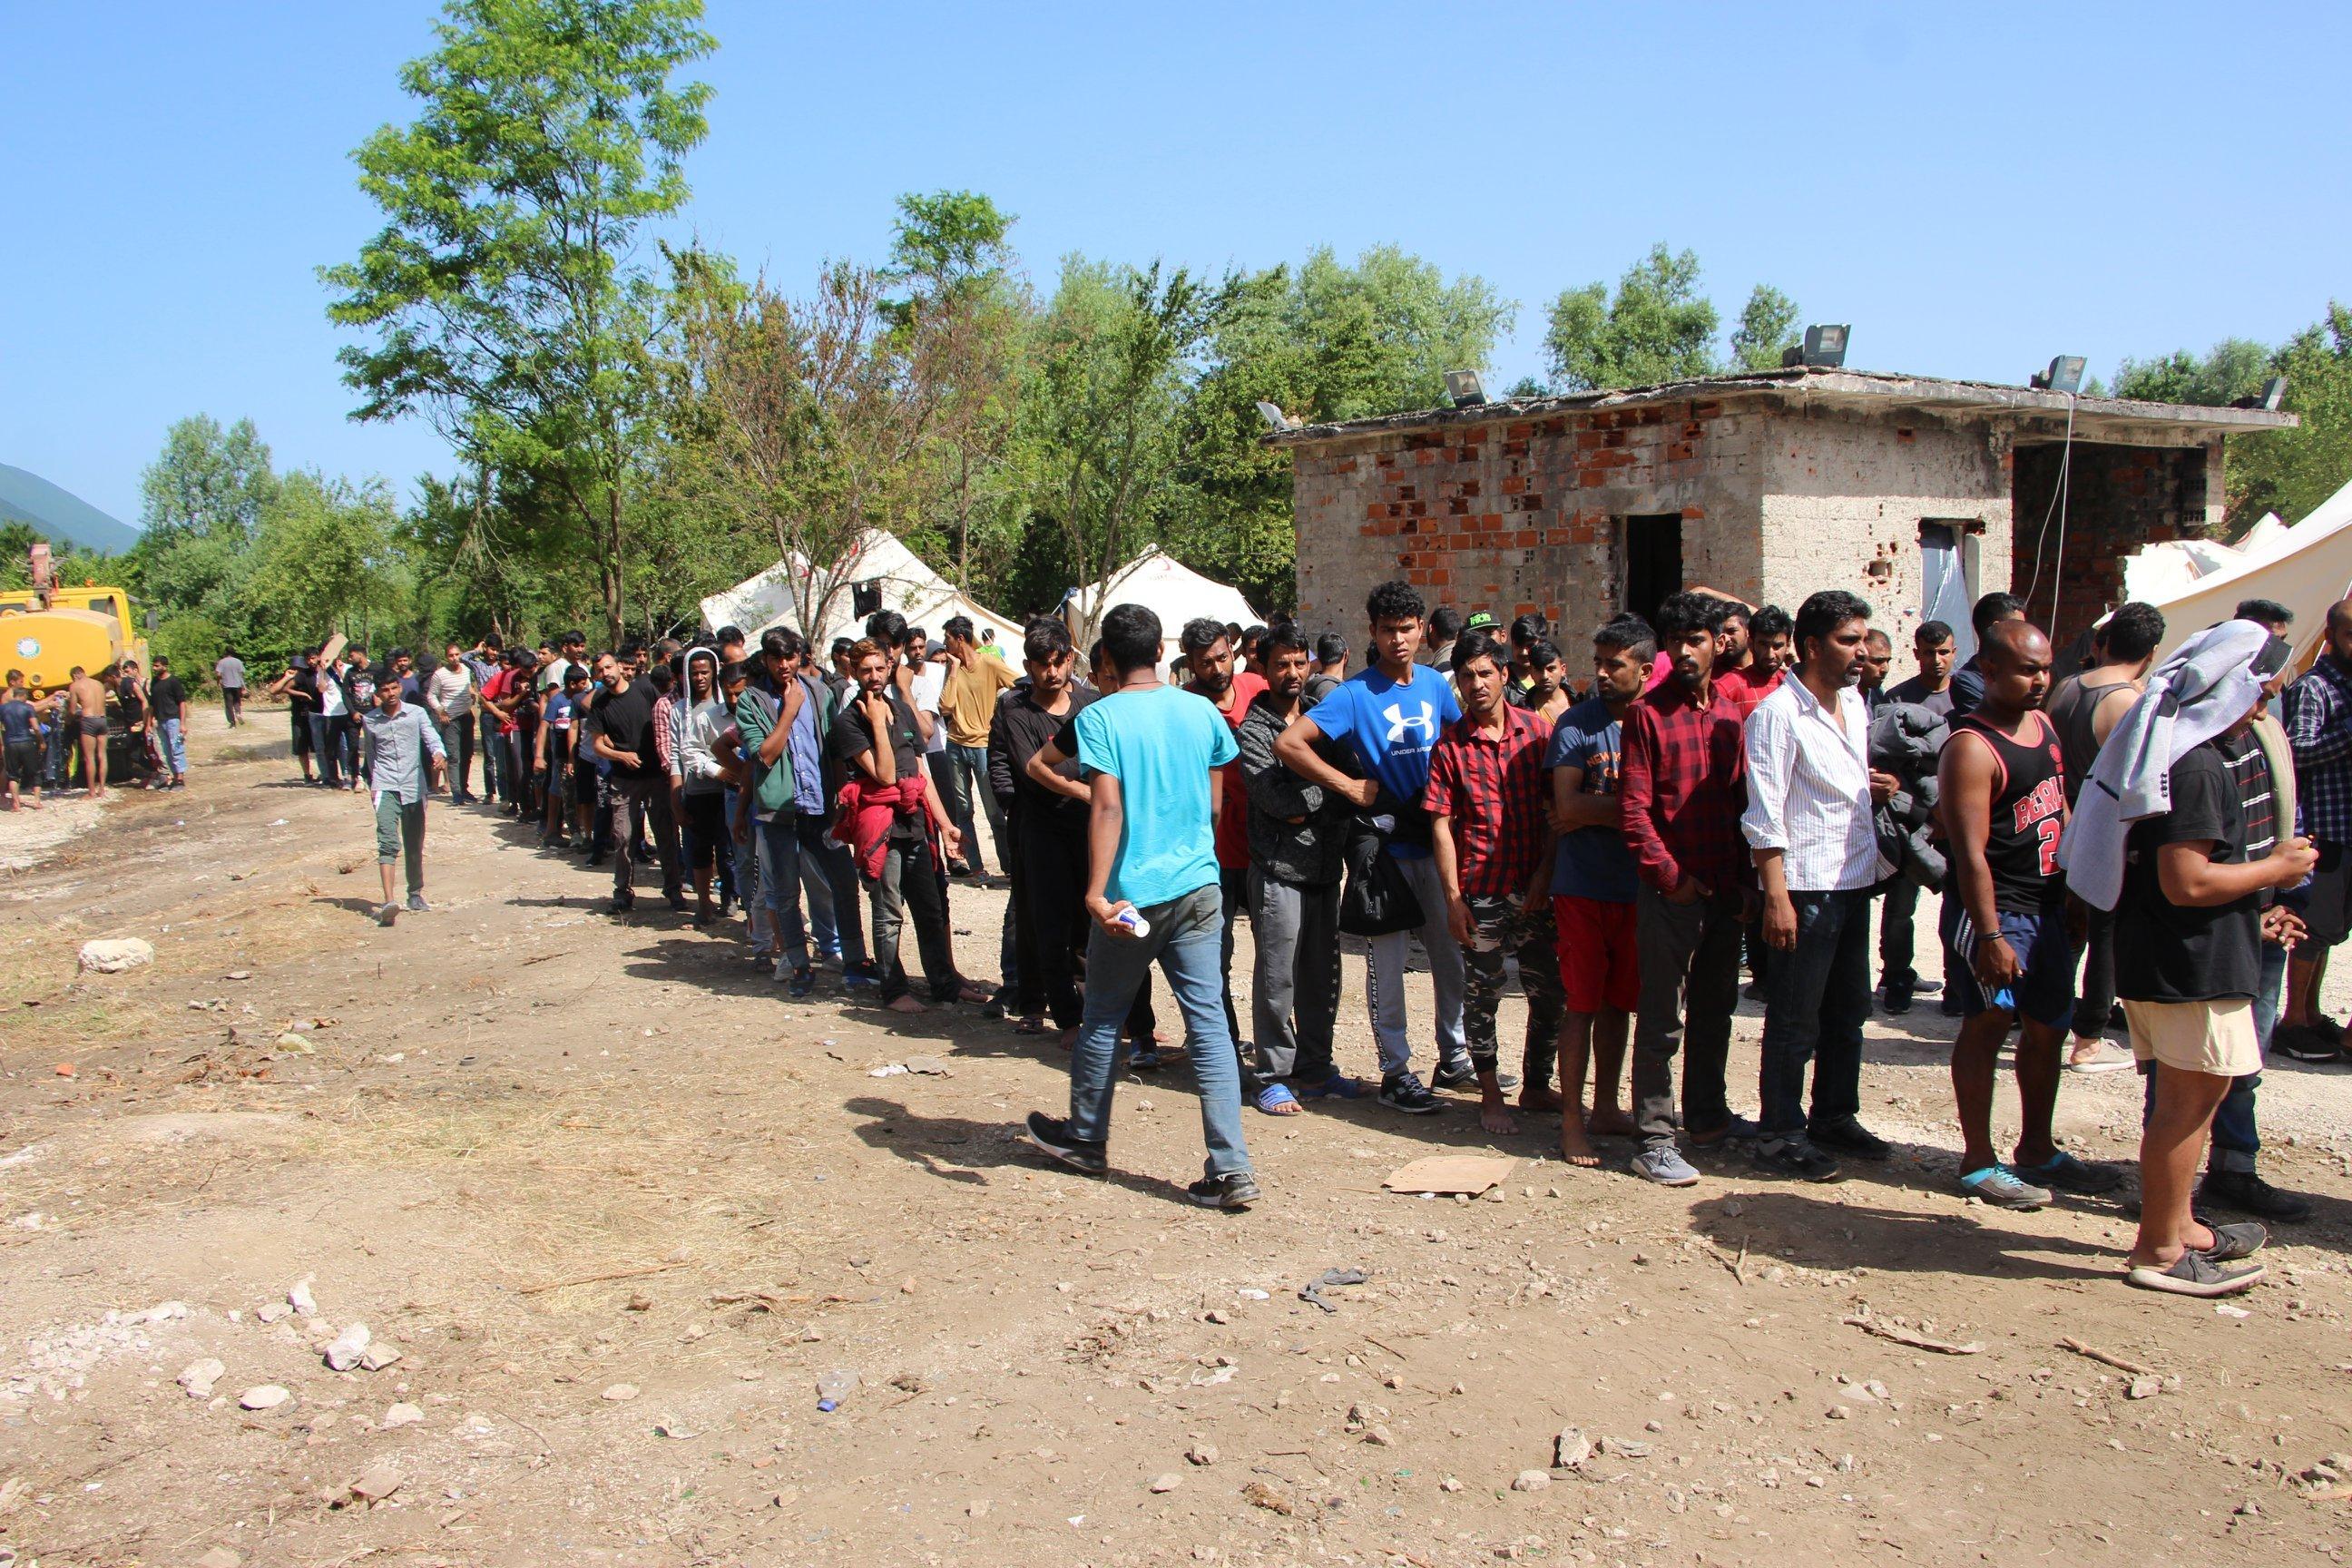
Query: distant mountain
(59, 514)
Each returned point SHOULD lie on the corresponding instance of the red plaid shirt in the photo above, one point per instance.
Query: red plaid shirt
(1492, 789)
(1747, 694)
(1682, 786)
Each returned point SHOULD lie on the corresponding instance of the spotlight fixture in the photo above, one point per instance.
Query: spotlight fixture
(1463, 387)
(1824, 347)
(1276, 420)
(2273, 393)
(2064, 374)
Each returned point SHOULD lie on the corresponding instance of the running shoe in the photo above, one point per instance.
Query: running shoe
(1849, 1136)
(1052, 1133)
(2196, 1274)
(804, 981)
(1234, 1190)
(2249, 1194)
(416, 904)
(2004, 1188)
(1796, 1157)
(865, 972)
(1404, 1091)
(1662, 1162)
(1461, 1073)
(2104, 1055)
(2306, 1044)
(2064, 1174)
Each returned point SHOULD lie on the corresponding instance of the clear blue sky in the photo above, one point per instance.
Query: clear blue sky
(1975, 189)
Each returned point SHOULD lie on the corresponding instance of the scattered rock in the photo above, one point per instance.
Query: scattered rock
(977, 1508)
(271, 1312)
(2145, 1387)
(115, 955)
(1449, 1485)
(343, 1353)
(1380, 1436)
(403, 1415)
(1624, 1449)
(379, 1482)
(1168, 1482)
(379, 1355)
(1257, 1494)
(1570, 1448)
(268, 1396)
(620, 1391)
(1531, 1481)
(199, 1376)
(300, 1300)
(1201, 1454)
(219, 1557)
(1218, 1315)
(294, 1045)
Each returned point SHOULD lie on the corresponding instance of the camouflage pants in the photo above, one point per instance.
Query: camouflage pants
(1501, 930)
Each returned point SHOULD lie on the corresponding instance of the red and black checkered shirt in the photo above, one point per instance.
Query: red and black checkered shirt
(1491, 787)
(1682, 786)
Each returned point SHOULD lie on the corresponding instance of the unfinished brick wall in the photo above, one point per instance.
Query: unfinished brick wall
(2118, 499)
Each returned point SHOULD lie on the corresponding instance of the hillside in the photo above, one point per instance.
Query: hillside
(59, 514)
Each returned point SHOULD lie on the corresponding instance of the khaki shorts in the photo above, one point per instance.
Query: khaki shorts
(2215, 1037)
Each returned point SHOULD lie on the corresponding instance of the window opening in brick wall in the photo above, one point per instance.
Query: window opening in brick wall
(1649, 554)
(1947, 579)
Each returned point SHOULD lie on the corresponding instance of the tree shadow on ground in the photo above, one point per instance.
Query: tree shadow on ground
(1798, 1226)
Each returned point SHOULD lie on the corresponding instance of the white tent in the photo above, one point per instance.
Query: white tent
(776, 597)
(1166, 586)
(2307, 566)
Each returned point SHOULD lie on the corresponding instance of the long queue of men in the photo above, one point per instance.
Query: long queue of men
(1731, 786)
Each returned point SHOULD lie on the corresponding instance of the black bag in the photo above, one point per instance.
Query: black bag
(1378, 900)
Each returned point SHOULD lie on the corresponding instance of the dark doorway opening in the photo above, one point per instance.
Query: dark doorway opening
(1650, 547)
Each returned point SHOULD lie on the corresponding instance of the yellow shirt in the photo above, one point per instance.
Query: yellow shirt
(968, 700)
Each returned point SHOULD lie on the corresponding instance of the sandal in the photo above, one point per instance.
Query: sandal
(1275, 1099)
(1031, 1025)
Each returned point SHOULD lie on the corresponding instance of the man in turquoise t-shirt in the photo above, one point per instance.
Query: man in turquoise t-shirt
(1391, 716)
(1149, 753)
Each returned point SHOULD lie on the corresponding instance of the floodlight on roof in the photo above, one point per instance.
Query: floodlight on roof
(1463, 387)
(1823, 348)
(2064, 374)
(1274, 418)
(2273, 393)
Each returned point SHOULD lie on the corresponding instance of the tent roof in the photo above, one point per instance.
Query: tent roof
(2306, 567)
(908, 582)
(1170, 589)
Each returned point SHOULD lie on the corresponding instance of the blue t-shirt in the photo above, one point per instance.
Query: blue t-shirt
(1392, 726)
(1160, 745)
(1592, 862)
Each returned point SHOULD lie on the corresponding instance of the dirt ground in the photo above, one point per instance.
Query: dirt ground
(618, 1203)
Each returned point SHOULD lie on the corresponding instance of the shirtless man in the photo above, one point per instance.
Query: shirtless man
(85, 698)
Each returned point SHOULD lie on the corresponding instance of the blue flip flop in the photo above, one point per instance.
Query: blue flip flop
(1274, 1097)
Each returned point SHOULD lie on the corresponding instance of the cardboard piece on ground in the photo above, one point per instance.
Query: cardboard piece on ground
(1471, 1174)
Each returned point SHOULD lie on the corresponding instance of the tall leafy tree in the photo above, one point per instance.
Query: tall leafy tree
(2291, 471)
(1767, 329)
(200, 501)
(505, 295)
(1657, 326)
(2231, 369)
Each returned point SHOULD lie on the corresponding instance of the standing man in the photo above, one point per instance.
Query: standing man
(886, 816)
(1494, 849)
(406, 768)
(1877, 658)
(486, 662)
(2002, 782)
(968, 704)
(1810, 796)
(1595, 888)
(2319, 733)
(1209, 673)
(622, 718)
(229, 670)
(2084, 709)
(86, 699)
(168, 695)
(1297, 838)
(1390, 717)
(1045, 829)
(449, 703)
(1968, 681)
(1152, 754)
(20, 743)
(1931, 689)
(1683, 787)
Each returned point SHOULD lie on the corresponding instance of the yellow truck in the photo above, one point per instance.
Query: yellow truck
(47, 629)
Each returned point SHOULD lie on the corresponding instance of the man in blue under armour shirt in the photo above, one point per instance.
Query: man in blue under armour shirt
(1391, 715)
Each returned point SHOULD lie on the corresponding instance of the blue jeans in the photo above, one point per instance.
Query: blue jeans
(174, 744)
(830, 875)
(780, 881)
(1185, 939)
(962, 773)
(1816, 1000)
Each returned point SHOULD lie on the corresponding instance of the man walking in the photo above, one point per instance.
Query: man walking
(1297, 838)
(2004, 788)
(1494, 847)
(1390, 717)
(229, 671)
(1595, 888)
(967, 706)
(1683, 787)
(406, 767)
(1811, 794)
(1152, 752)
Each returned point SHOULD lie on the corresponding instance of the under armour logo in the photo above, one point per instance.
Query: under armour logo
(1398, 724)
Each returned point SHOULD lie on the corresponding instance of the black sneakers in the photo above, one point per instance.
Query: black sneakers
(1404, 1091)
(1795, 1157)
(1234, 1190)
(2249, 1194)
(1848, 1136)
(2306, 1044)
(1052, 1134)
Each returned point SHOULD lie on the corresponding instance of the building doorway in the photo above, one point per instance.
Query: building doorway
(1650, 547)
(1948, 583)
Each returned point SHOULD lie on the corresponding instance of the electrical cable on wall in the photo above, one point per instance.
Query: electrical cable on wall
(2057, 509)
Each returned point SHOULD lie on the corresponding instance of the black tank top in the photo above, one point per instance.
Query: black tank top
(2029, 813)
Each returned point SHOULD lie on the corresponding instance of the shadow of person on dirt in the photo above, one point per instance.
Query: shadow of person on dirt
(979, 1147)
(1799, 1228)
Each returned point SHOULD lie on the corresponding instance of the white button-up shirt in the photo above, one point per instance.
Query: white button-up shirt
(1809, 790)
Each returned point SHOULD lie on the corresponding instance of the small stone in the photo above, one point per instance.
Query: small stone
(1530, 1481)
(1449, 1485)
(1380, 1436)
(378, 1482)
(1202, 1453)
(1218, 1315)
(271, 1312)
(268, 1396)
(114, 956)
(403, 1415)
(300, 1300)
(2144, 1388)
(344, 1353)
(1394, 1380)
(379, 1355)
(1572, 1448)
(219, 1557)
(977, 1508)
(1166, 1483)
(199, 1376)
(620, 1391)
(1839, 1413)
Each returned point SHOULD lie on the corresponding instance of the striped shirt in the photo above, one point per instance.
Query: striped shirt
(2319, 735)
(1809, 790)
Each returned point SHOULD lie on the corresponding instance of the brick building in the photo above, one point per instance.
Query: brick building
(1916, 493)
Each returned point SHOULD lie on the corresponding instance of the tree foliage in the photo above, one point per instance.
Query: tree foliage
(1657, 326)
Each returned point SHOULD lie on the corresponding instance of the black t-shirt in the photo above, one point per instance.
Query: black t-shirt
(852, 737)
(626, 718)
(132, 700)
(169, 697)
(2165, 953)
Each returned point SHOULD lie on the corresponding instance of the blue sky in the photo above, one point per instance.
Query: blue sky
(1975, 188)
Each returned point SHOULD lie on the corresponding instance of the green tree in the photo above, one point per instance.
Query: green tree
(504, 295)
(1767, 329)
(2290, 472)
(321, 561)
(2231, 369)
(1656, 327)
(200, 502)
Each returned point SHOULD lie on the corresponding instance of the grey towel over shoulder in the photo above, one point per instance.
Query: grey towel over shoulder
(1905, 740)
(2208, 685)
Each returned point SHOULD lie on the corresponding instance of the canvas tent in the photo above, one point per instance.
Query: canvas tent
(2307, 566)
(1167, 587)
(908, 585)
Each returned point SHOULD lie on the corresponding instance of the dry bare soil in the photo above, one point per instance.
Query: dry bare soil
(617, 1203)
